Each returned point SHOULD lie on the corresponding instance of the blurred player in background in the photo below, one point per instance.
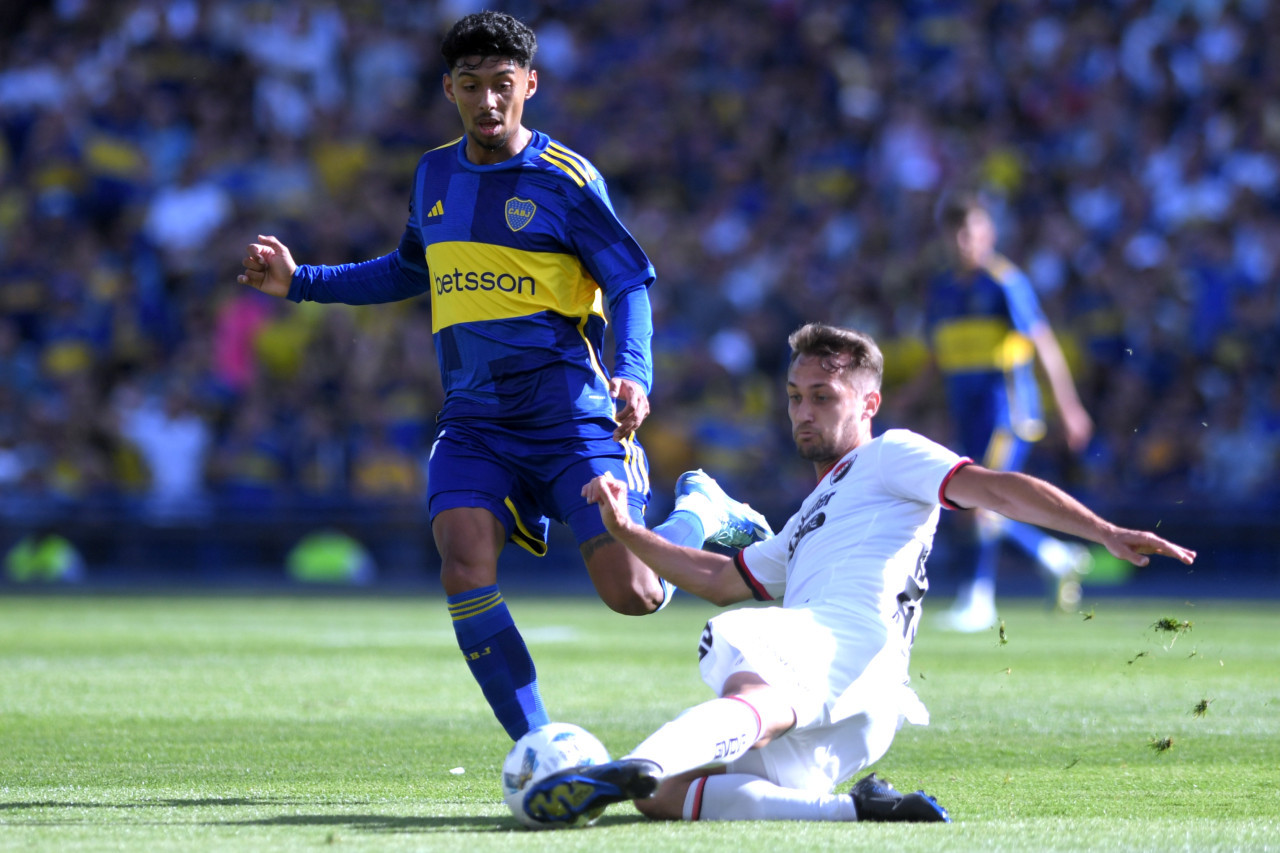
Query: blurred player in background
(814, 690)
(986, 329)
(515, 239)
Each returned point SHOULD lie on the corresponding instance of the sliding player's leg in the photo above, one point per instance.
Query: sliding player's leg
(794, 778)
(720, 730)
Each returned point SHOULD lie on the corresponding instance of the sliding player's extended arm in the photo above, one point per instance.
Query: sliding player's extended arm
(1035, 501)
(706, 574)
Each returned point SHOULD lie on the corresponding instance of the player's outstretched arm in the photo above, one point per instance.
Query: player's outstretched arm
(705, 574)
(1075, 420)
(268, 266)
(1035, 501)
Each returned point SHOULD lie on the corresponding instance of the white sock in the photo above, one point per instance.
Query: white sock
(1055, 556)
(668, 591)
(737, 796)
(981, 593)
(716, 731)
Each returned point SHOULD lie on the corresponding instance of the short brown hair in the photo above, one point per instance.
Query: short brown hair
(953, 209)
(839, 350)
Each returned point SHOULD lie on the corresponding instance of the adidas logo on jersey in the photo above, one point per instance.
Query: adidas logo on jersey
(436, 210)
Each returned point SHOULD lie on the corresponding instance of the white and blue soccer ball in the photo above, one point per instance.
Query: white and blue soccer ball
(539, 753)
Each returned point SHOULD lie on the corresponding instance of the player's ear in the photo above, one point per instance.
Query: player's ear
(447, 82)
(873, 399)
(532, 85)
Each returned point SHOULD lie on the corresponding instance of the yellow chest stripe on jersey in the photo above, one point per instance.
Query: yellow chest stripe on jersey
(472, 282)
(980, 343)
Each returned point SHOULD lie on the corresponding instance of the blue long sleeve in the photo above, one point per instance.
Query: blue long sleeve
(389, 278)
(632, 318)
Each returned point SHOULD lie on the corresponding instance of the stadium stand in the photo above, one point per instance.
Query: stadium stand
(779, 160)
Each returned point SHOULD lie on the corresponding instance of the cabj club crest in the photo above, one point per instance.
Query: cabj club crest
(519, 212)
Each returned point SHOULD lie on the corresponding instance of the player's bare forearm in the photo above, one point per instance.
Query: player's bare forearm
(1034, 501)
(1075, 419)
(705, 574)
(1022, 498)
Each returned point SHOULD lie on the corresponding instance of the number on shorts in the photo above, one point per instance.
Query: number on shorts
(704, 645)
(908, 600)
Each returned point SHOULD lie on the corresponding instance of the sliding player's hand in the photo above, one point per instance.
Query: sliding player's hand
(1135, 545)
(635, 406)
(610, 494)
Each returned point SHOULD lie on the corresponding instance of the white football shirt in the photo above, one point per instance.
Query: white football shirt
(859, 542)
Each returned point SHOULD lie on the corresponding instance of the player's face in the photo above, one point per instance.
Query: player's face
(830, 412)
(976, 239)
(490, 93)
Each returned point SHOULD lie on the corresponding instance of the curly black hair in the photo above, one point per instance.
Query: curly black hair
(487, 34)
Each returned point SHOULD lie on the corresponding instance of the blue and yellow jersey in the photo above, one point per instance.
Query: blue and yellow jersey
(980, 326)
(518, 259)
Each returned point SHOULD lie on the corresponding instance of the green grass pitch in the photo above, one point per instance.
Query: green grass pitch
(308, 723)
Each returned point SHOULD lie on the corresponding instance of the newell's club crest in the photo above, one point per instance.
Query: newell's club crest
(842, 469)
(519, 212)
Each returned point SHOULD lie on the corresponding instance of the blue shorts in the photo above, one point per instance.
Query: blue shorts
(526, 477)
(991, 427)
(1004, 451)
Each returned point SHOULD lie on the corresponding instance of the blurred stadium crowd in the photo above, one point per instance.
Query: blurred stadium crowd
(778, 159)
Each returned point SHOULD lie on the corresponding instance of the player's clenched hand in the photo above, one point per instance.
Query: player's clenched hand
(635, 406)
(268, 266)
(610, 494)
(1134, 545)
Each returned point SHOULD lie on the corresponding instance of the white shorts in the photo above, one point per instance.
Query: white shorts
(848, 691)
(820, 757)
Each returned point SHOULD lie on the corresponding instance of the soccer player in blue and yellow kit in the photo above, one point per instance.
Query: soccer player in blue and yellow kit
(514, 238)
(986, 329)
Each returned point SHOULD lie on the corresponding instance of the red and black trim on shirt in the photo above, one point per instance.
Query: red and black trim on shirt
(758, 592)
(942, 489)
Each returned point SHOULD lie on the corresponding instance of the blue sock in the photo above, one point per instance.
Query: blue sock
(682, 528)
(498, 658)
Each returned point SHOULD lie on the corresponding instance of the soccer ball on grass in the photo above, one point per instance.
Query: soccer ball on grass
(539, 753)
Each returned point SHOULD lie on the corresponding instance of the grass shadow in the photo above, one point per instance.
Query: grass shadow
(166, 803)
(391, 823)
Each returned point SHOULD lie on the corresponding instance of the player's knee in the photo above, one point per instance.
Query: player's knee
(772, 705)
(637, 600)
(457, 576)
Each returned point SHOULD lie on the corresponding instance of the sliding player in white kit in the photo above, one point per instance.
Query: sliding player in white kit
(814, 691)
